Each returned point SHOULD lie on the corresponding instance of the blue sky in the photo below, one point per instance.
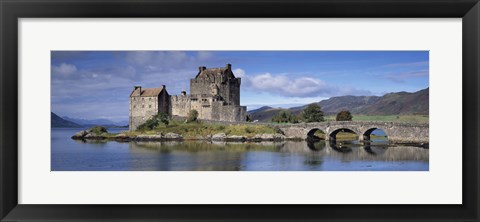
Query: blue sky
(96, 84)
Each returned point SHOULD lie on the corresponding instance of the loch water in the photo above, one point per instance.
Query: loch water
(74, 155)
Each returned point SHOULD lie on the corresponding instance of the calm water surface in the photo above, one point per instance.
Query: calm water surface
(71, 155)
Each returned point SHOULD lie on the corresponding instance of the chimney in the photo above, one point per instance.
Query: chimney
(163, 86)
(229, 66)
(201, 68)
(138, 87)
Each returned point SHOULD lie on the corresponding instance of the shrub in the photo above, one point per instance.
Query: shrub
(192, 116)
(154, 122)
(98, 130)
(344, 115)
(249, 130)
(313, 113)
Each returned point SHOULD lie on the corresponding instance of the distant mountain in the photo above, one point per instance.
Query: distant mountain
(264, 113)
(399, 103)
(58, 122)
(95, 122)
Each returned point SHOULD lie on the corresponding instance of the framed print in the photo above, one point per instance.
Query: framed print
(266, 110)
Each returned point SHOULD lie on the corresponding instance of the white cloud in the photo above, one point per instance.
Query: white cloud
(283, 85)
(300, 87)
(63, 69)
(239, 73)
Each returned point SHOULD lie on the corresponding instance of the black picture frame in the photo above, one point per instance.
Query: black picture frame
(11, 11)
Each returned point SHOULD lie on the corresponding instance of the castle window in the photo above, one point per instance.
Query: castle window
(143, 106)
(134, 106)
(149, 106)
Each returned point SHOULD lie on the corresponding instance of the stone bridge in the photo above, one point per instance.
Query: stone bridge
(396, 132)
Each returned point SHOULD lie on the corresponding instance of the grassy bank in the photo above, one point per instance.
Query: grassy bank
(196, 129)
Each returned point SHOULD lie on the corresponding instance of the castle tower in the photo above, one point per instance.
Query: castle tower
(147, 102)
(218, 82)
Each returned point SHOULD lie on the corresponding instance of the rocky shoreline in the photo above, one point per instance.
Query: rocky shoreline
(101, 134)
(221, 137)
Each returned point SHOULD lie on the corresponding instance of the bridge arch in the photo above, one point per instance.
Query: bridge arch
(367, 134)
(316, 134)
(396, 132)
(333, 134)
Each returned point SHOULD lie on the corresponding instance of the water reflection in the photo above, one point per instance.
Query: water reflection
(241, 156)
(321, 155)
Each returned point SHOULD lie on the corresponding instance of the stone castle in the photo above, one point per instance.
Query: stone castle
(214, 93)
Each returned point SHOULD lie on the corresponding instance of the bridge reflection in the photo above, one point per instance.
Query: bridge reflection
(313, 151)
(354, 150)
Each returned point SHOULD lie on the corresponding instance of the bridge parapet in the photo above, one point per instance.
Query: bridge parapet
(396, 131)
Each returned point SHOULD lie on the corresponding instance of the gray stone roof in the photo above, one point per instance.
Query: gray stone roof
(146, 92)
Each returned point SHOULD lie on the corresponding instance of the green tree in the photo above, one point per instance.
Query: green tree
(344, 115)
(192, 116)
(154, 121)
(249, 118)
(313, 113)
(285, 116)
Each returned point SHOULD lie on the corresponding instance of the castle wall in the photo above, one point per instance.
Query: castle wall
(180, 105)
(234, 92)
(164, 102)
(201, 86)
(141, 109)
(233, 113)
(229, 90)
(207, 108)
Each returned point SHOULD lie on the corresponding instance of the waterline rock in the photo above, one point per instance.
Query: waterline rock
(173, 136)
(267, 137)
(219, 137)
(94, 133)
(234, 138)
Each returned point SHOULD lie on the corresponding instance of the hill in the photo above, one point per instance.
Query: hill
(96, 122)
(264, 113)
(58, 122)
(399, 103)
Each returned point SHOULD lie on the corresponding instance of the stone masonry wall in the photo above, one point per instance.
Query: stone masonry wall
(396, 132)
(229, 90)
(164, 102)
(207, 108)
(141, 109)
(233, 113)
(232, 91)
(180, 105)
